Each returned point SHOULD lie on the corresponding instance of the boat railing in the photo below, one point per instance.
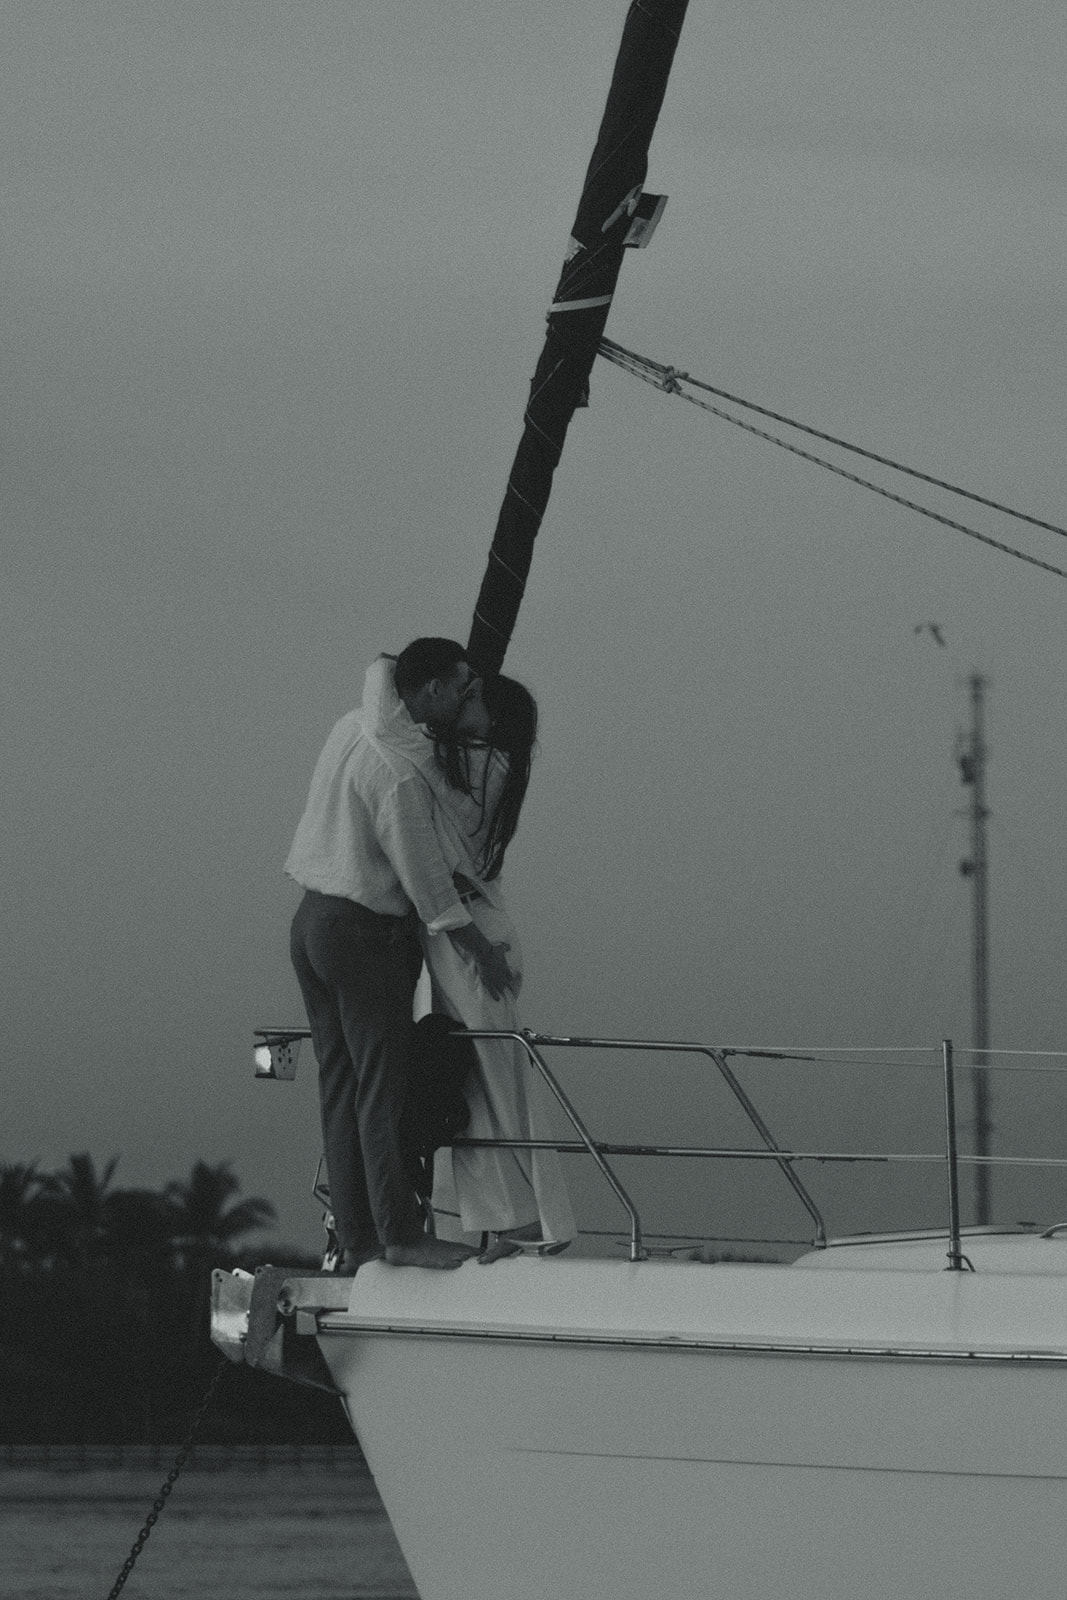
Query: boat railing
(534, 1043)
(276, 1055)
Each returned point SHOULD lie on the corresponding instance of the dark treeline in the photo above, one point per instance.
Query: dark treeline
(104, 1309)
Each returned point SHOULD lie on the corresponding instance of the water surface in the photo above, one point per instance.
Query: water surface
(283, 1530)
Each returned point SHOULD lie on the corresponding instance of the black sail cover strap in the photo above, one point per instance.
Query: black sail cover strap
(576, 318)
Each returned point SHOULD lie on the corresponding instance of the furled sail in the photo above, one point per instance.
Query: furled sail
(613, 212)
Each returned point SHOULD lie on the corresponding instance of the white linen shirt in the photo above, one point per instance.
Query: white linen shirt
(367, 832)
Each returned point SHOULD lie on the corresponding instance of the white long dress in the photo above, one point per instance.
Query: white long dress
(490, 1190)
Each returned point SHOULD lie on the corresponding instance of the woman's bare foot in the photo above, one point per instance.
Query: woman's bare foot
(510, 1242)
(529, 1233)
(439, 1253)
(499, 1250)
(514, 1241)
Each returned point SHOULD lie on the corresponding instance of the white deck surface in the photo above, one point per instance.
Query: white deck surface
(843, 1298)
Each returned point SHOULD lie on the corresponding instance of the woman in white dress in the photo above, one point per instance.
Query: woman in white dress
(479, 784)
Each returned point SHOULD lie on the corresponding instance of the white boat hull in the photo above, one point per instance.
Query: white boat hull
(620, 1431)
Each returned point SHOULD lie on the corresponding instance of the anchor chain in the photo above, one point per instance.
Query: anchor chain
(172, 1478)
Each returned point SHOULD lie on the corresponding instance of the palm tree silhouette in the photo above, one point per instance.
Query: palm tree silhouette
(21, 1220)
(208, 1221)
(78, 1202)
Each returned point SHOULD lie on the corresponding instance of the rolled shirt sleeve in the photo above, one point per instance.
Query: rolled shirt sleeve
(409, 840)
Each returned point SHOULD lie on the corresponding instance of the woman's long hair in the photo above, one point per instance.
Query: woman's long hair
(513, 733)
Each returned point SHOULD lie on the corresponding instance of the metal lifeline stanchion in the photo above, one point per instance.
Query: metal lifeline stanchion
(957, 1261)
(527, 1038)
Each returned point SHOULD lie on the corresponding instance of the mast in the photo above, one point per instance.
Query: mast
(972, 761)
(613, 212)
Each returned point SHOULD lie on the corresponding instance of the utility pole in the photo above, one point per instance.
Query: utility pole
(972, 760)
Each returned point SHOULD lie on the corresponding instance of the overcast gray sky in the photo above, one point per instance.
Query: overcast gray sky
(273, 282)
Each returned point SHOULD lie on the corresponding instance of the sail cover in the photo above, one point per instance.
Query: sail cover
(608, 217)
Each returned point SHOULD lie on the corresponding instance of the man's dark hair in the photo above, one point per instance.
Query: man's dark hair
(425, 659)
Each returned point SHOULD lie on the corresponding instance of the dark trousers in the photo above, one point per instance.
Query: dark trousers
(357, 972)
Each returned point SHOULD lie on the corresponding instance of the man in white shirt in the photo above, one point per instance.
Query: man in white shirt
(369, 860)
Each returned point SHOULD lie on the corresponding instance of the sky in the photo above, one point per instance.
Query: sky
(274, 280)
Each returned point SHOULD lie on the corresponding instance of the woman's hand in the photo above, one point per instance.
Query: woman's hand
(490, 959)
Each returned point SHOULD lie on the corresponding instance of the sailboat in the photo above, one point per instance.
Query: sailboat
(884, 1416)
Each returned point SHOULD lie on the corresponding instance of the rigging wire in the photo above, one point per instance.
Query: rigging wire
(669, 381)
(610, 350)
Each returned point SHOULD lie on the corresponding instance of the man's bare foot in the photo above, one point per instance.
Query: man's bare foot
(439, 1253)
(352, 1260)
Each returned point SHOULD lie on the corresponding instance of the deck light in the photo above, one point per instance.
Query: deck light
(276, 1055)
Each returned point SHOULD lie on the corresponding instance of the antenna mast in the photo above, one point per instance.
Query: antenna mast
(972, 760)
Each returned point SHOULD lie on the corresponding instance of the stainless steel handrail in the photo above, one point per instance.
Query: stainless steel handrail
(529, 1040)
(532, 1042)
(772, 1146)
(526, 1039)
(885, 1158)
